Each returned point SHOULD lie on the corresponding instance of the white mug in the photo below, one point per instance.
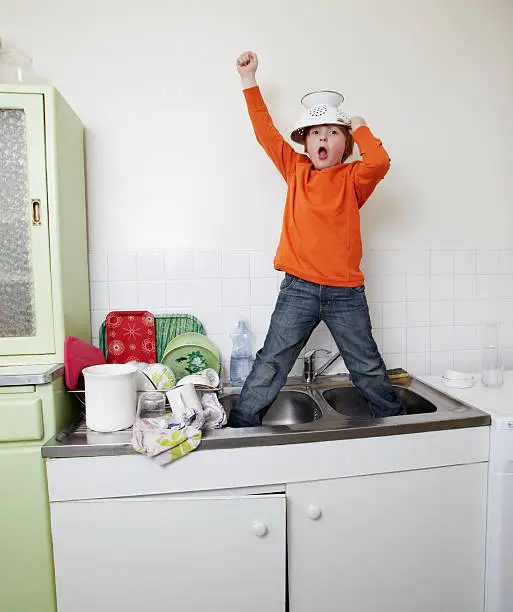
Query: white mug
(185, 403)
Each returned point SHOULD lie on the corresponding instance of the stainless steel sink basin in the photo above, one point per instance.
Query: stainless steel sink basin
(349, 402)
(289, 408)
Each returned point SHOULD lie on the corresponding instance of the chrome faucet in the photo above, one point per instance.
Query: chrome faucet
(309, 371)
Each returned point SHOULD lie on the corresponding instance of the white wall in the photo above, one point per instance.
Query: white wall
(171, 158)
(173, 170)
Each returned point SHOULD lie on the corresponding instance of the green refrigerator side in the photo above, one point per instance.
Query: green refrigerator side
(26, 557)
(68, 223)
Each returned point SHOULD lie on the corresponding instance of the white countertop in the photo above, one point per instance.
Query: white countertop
(498, 402)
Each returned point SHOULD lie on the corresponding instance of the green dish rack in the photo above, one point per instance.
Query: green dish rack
(167, 327)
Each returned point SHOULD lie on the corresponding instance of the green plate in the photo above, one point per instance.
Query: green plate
(191, 339)
(190, 359)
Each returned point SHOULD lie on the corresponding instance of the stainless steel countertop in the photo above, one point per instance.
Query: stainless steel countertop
(450, 414)
(21, 375)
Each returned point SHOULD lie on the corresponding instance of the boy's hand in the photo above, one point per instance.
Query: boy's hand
(247, 64)
(356, 122)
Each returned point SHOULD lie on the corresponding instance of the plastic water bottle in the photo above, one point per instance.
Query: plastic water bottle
(241, 360)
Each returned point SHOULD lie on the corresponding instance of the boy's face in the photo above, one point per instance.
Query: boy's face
(325, 144)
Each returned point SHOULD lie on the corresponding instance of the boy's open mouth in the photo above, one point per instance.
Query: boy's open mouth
(322, 153)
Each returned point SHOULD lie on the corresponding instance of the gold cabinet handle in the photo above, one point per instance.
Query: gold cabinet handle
(36, 212)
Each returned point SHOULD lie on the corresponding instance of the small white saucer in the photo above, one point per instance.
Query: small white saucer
(458, 383)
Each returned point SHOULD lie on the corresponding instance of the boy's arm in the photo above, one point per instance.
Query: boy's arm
(375, 160)
(281, 153)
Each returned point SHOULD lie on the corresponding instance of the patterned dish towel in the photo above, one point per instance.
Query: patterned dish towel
(164, 440)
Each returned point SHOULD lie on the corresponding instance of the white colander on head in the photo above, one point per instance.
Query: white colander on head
(321, 108)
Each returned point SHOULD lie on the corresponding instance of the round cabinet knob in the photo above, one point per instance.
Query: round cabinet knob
(260, 529)
(314, 513)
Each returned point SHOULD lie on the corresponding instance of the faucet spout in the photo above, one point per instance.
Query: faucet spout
(326, 364)
(309, 371)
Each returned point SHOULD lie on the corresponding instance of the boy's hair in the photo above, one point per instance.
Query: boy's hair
(348, 151)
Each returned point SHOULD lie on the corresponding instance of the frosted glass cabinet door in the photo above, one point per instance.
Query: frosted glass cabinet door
(25, 278)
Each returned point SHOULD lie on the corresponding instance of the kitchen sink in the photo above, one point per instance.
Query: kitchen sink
(289, 408)
(328, 409)
(349, 402)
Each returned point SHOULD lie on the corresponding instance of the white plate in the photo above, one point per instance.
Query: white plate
(205, 378)
(458, 384)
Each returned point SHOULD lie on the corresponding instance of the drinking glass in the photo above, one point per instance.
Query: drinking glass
(151, 405)
(491, 357)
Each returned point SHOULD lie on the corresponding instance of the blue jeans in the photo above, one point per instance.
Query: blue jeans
(300, 307)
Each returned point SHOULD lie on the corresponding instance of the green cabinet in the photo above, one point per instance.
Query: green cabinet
(44, 285)
(29, 416)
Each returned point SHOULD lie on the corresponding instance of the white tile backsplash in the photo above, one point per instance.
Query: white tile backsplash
(488, 287)
(233, 314)
(417, 363)
(417, 288)
(376, 315)
(417, 340)
(441, 361)
(235, 264)
(212, 319)
(466, 312)
(208, 292)
(393, 288)
(394, 314)
(442, 263)
(260, 318)
(99, 295)
(417, 262)
(394, 340)
(180, 294)
(321, 339)
(150, 266)
(425, 305)
(122, 266)
(123, 295)
(98, 267)
(263, 291)
(488, 262)
(506, 262)
(442, 313)
(465, 262)
(97, 318)
(236, 292)
(394, 360)
(261, 264)
(179, 264)
(442, 338)
(467, 361)
(465, 337)
(442, 288)
(207, 264)
(151, 295)
(506, 311)
(464, 287)
(506, 287)
(417, 314)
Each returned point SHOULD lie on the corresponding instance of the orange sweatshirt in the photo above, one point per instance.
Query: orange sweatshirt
(320, 239)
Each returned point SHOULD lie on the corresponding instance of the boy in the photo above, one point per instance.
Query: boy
(319, 251)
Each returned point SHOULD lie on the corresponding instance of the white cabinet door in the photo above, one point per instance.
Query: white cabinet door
(400, 542)
(154, 553)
